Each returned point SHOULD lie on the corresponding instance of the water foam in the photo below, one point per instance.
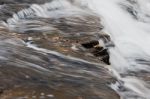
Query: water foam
(132, 39)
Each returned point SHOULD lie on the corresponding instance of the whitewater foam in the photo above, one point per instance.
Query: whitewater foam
(132, 39)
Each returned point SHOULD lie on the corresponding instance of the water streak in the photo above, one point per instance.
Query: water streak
(128, 23)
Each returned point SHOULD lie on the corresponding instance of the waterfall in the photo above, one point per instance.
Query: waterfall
(132, 39)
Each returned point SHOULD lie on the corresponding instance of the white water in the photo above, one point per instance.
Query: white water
(131, 36)
(132, 40)
(26, 19)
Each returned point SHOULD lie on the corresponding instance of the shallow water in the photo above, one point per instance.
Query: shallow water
(41, 56)
(26, 25)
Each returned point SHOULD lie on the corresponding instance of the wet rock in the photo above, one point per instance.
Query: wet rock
(30, 74)
(23, 1)
(8, 10)
(72, 65)
(74, 36)
(84, 24)
(90, 44)
(97, 51)
(61, 85)
(72, 46)
(103, 54)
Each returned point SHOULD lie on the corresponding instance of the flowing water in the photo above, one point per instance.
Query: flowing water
(126, 21)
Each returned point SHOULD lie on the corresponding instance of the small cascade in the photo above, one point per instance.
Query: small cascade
(28, 18)
(127, 21)
(127, 55)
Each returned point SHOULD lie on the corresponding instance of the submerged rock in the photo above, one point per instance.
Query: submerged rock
(74, 36)
(7, 10)
(67, 61)
(30, 74)
(23, 1)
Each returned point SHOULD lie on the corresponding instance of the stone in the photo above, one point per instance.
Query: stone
(72, 65)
